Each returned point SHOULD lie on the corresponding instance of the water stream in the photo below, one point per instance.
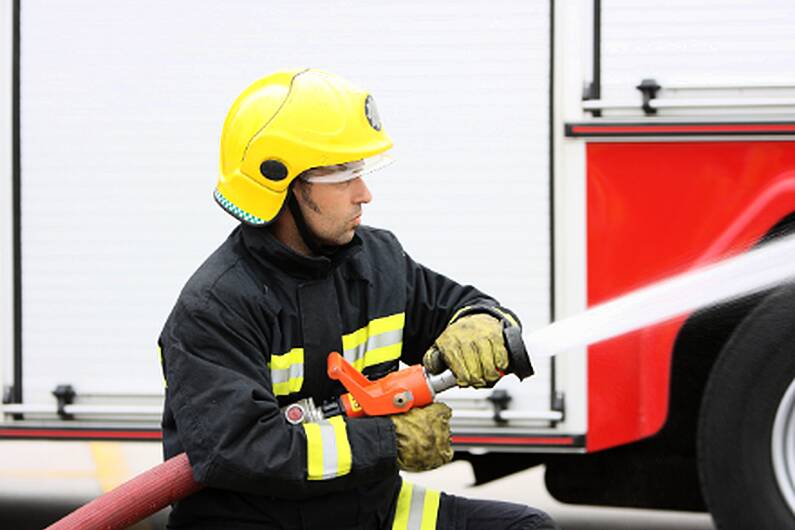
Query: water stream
(759, 269)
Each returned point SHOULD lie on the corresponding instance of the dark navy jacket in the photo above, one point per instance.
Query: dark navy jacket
(249, 334)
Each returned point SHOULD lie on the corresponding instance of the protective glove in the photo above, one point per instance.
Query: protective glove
(423, 437)
(473, 348)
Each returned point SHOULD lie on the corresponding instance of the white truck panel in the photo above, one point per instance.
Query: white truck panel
(6, 237)
(710, 44)
(122, 106)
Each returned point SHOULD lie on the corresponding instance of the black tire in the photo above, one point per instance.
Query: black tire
(741, 399)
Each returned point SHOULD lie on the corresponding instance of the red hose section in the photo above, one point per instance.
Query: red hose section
(136, 499)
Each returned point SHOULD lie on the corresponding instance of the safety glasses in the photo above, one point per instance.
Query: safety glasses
(347, 171)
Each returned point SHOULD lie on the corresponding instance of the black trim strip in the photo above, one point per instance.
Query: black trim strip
(16, 176)
(502, 439)
(596, 74)
(640, 129)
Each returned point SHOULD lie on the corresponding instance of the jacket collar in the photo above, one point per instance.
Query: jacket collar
(264, 246)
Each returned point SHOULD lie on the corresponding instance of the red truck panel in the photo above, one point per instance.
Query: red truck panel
(656, 209)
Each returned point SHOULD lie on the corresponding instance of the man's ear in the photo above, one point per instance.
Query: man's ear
(297, 190)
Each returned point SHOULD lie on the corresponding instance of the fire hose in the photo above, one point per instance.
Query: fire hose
(173, 480)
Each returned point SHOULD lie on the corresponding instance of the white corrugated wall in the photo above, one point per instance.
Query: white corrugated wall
(122, 106)
(711, 42)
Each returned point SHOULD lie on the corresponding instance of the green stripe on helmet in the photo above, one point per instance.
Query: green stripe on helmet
(227, 205)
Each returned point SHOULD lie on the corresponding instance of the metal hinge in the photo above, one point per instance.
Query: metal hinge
(590, 92)
(649, 89)
(65, 394)
(499, 400)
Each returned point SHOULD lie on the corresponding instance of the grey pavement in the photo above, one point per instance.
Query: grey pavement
(42, 481)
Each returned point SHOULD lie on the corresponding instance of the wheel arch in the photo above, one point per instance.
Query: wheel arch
(697, 346)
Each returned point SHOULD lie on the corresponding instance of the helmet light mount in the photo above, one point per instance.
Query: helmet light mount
(273, 170)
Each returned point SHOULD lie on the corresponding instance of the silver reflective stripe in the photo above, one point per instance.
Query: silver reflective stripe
(282, 376)
(330, 464)
(328, 451)
(417, 507)
(378, 341)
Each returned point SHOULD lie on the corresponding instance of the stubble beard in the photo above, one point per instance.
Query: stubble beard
(341, 234)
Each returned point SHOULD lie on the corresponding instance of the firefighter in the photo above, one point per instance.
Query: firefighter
(298, 278)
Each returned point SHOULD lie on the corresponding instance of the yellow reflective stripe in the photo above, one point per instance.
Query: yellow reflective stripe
(430, 510)
(417, 508)
(288, 387)
(507, 316)
(373, 328)
(354, 344)
(284, 361)
(328, 452)
(314, 451)
(283, 385)
(351, 340)
(379, 355)
(403, 508)
(344, 457)
(455, 315)
(384, 324)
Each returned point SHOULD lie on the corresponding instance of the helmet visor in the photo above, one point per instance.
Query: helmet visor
(346, 171)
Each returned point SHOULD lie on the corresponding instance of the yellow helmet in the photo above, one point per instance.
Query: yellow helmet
(285, 124)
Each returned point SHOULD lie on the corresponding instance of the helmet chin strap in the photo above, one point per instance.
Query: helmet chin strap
(310, 240)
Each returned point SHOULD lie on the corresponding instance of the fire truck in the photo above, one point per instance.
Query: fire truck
(556, 154)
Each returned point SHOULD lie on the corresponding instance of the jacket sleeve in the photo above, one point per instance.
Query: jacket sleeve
(230, 425)
(432, 302)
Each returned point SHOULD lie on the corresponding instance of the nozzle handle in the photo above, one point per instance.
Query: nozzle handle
(518, 358)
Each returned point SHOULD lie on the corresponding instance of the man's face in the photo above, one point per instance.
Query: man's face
(333, 211)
